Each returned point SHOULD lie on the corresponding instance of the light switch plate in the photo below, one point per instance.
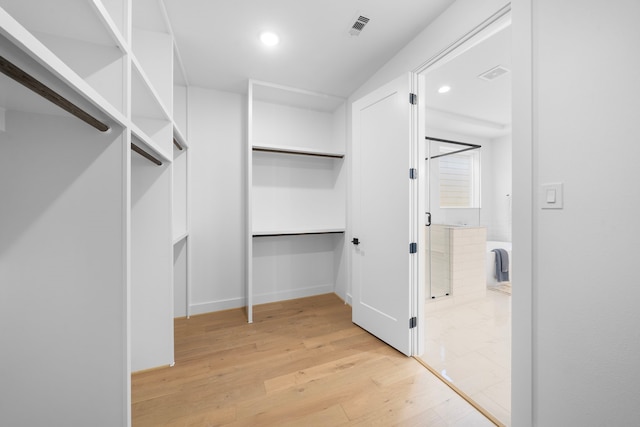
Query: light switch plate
(551, 196)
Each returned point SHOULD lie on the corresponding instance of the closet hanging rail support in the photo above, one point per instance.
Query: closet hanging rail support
(177, 144)
(448, 141)
(146, 155)
(25, 79)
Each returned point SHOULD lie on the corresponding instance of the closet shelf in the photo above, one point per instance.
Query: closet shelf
(111, 26)
(276, 233)
(25, 79)
(150, 88)
(298, 151)
(148, 143)
(180, 237)
(25, 44)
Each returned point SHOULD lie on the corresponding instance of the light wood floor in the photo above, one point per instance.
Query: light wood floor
(301, 362)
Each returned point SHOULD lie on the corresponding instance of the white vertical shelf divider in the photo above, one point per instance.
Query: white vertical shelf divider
(296, 195)
(152, 191)
(249, 204)
(181, 168)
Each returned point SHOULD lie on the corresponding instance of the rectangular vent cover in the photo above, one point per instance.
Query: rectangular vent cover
(494, 73)
(358, 25)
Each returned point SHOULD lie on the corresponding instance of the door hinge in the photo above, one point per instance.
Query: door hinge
(413, 99)
(413, 322)
(413, 248)
(413, 173)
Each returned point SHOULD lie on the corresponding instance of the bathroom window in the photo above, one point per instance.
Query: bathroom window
(459, 179)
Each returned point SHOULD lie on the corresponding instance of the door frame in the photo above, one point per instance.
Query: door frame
(524, 154)
(489, 27)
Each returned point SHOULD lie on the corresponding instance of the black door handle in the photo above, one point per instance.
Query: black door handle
(428, 219)
(355, 241)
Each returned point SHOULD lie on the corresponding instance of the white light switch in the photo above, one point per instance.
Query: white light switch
(551, 196)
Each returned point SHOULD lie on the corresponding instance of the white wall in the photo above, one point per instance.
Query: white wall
(216, 128)
(585, 278)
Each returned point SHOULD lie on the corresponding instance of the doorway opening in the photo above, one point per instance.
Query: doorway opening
(465, 136)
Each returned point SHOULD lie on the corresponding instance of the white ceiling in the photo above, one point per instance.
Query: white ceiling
(473, 106)
(219, 46)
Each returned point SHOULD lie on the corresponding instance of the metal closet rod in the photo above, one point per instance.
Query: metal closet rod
(448, 141)
(28, 81)
(144, 154)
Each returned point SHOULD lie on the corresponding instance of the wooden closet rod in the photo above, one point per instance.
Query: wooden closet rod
(177, 144)
(49, 94)
(146, 155)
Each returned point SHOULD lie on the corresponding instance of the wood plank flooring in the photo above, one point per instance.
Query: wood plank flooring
(301, 363)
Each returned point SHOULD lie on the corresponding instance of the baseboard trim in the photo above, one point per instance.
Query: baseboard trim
(264, 298)
(157, 368)
(213, 306)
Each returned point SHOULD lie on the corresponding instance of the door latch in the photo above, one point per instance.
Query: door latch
(355, 241)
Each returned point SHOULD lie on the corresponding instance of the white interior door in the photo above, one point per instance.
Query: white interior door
(384, 270)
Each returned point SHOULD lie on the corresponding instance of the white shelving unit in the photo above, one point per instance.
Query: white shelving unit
(91, 227)
(296, 195)
(63, 239)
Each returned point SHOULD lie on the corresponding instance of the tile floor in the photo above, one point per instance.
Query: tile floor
(470, 344)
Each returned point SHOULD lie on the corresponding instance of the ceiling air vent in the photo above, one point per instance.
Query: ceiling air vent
(494, 73)
(358, 25)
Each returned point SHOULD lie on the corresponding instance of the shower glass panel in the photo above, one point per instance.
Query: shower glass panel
(453, 204)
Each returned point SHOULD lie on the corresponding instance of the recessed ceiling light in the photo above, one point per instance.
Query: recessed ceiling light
(269, 38)
(444, 89)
